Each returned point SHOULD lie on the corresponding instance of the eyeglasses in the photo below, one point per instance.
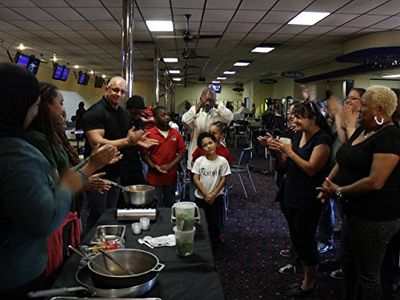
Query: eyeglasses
(117, 91)
(352, 98)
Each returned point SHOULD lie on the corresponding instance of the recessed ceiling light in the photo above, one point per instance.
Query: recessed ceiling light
(241, 64)
(221, 78)
(76, 67)
(215, 81)
(54, 58)
(177, 79)
(21, 47)
(160, 25)
(391, 76)
(91, 72)
(103, 76)
(170, 59)
(174, 71)
(308, 18)
(262, 49)
(229, 72)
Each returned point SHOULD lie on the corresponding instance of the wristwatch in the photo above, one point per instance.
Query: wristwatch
(338, 193)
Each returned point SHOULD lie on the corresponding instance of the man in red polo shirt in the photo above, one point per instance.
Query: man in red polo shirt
(163, 158)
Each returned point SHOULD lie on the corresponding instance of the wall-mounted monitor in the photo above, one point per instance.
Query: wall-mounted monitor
(217, 88)
(58, 71)
(33, 65)
(21, 59)
(83, 78)
(65, 73)
(98, 82)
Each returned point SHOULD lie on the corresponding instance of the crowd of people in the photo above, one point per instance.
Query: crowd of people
(348, 158)
(353, 163)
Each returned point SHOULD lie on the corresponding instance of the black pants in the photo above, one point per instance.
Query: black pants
(213, 215)
(363, 249)
(303, 223)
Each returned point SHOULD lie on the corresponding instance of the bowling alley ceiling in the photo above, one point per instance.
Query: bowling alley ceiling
(88, 33)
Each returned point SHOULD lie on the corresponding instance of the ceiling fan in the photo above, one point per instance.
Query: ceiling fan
(191, 53)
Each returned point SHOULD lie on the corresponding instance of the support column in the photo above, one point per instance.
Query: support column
(127, 44)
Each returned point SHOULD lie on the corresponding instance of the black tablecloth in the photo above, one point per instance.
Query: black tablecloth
(192, 277)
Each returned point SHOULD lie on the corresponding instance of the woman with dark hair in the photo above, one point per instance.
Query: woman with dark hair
(366, 180)
(45, 134)
(32, 203)
(307, 159)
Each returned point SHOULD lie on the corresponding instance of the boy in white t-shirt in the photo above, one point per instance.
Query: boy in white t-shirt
(210, 175)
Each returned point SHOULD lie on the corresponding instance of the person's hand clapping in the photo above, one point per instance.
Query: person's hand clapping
(104, 155)
(71, 180)
(334, 106)
(147, 142)
(95, 183)
(349, 117)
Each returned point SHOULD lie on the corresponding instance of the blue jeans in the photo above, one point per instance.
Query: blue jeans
(165, 195)
(326, 223)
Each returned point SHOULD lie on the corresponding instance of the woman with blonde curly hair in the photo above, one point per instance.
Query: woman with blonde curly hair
(366, 182)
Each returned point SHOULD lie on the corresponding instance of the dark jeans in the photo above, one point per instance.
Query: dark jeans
(303, 224)
(98, 203)
(364, 244)
(165, 195)
(326, 224)
(213, 216)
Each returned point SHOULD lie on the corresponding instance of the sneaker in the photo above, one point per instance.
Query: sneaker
(285, 253)
(337, 274)
(288, 269)
(323, 248)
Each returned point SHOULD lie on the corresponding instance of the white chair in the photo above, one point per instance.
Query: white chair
(243, 167)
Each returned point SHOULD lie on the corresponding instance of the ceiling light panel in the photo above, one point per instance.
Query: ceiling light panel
(155, 25)
(308, 18)
(241, 64)
(391, 76)
(170, 59)
(261, 49)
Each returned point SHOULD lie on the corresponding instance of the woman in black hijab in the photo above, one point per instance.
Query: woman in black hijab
(32, 203)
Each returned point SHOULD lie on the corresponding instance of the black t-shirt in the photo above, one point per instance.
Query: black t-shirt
(300, 188)
(115, 122)
(131, 169)
(355, 163)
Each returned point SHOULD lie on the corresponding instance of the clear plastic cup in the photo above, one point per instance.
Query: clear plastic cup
(285, 140)
(136, 228)
(184, 241)
(144, 223)
(184, 214)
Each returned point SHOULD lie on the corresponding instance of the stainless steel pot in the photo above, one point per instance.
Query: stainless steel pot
(142, 266)
(138, 195)
(84, 278)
